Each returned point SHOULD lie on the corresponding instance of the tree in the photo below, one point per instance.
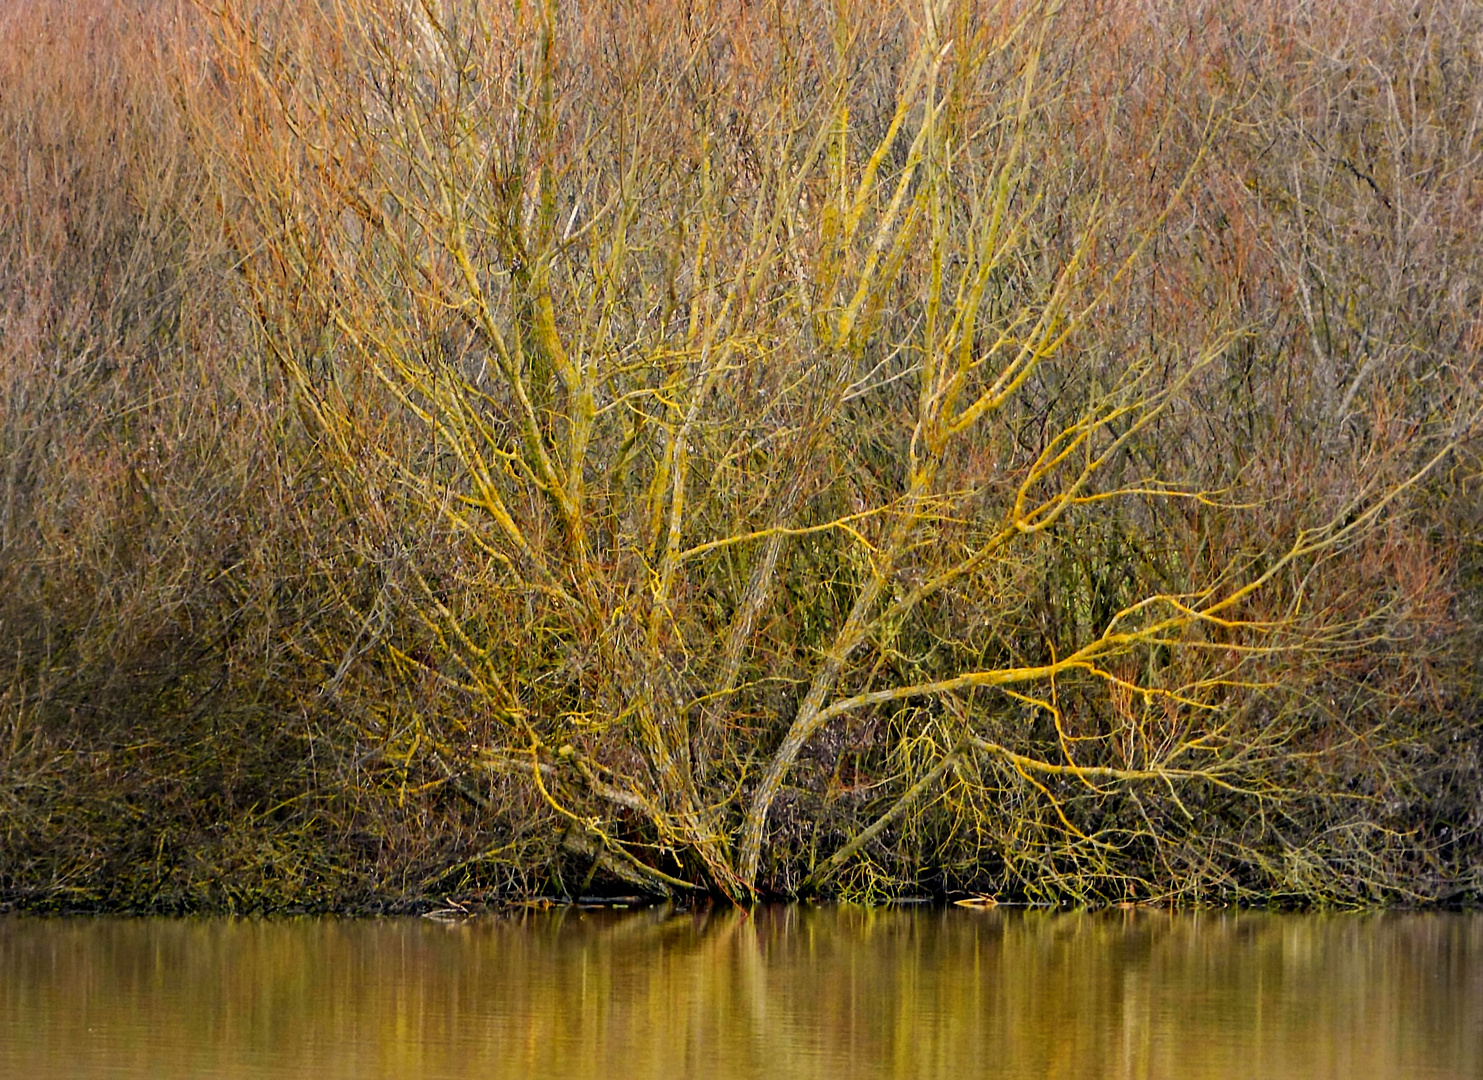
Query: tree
(792, 387)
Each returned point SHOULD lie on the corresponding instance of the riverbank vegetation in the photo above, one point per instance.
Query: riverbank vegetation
(740, 449)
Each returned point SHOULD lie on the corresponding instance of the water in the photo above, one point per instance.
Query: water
(789, 992)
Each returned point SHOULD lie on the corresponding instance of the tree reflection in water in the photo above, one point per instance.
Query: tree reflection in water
(783, 992)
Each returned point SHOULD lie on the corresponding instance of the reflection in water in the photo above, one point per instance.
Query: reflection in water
(789, 992)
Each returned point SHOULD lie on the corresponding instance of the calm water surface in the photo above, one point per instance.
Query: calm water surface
(788, 992)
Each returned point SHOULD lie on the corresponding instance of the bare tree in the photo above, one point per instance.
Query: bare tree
(770, 366)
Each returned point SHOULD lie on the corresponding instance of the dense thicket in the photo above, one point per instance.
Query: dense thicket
(752, 449)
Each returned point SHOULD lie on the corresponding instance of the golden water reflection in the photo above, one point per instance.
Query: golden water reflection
(788, 992)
